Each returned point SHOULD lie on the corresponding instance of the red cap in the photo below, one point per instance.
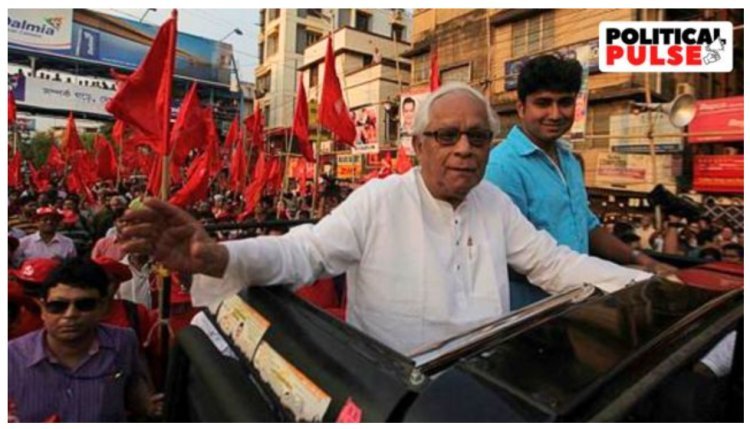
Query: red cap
(17, 295)
(119, 271)
(48, 211)
(35, 270)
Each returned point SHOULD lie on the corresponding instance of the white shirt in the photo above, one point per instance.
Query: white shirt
(33, 246)
(418, 271)
(138, 288)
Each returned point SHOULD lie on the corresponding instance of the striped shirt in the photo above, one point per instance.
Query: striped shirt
(95, 391)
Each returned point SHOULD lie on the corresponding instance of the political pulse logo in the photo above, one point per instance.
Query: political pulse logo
(665, 46)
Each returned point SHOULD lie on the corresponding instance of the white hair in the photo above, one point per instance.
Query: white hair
(422, 118)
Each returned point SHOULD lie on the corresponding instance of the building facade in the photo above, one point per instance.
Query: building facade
(286, 35)
(486, 47)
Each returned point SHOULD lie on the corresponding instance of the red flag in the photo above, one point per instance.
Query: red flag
(189, 130)
(83, 164)
(254, 125)
(40, 178)
(300, 128)
(403, 162)
(332, 112)
(11, 108)
(238, 169)
(434, 70)
(143, 99)
(14, 170)
(212, 149)
(154, 177)
(196, 187)
(106, 162)
(300, 173)
(275, 176)
(233, 134)
(71, 142)
(54, 159)
(118, 133)
(254, 190)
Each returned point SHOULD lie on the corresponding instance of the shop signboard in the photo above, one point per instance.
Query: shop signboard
(724, 115)
(719, 173)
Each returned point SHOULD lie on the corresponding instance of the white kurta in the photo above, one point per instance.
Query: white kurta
(418, 271)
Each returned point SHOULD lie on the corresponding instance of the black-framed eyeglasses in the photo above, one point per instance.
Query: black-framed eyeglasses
(60, 306)
(450, 136)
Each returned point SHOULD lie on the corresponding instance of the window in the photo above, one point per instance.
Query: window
(305, 38)
(312, 38)
(273, 14)
(421, 65)
(272, 44)
(532, 35)
(460, 73)
(313, 75)
(362, 21)
(345, 16)
(301, 39)
(260, 52)
(315, 12)
(263, 83)
(266, 115)
(366, 60)
(397, 32)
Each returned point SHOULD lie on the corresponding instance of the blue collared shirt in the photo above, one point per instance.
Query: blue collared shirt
(552, 199)
(93, 392)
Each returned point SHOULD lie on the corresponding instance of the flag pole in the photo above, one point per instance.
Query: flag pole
(163, 278)
(286, 161)
(317, 174)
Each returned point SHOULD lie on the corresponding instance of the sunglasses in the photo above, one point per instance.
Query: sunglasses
(61, 306)
(450, 136)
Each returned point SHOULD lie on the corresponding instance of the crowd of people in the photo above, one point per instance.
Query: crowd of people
(86, 278)
(705, 238)
(58, 238)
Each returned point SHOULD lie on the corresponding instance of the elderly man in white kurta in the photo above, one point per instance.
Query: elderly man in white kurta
(425, 253)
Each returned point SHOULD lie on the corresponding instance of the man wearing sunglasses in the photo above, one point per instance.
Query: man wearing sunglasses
(425, 252)
(76, 369)
(540, 173)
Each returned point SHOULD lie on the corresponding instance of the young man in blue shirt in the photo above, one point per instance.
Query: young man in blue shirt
(537, 169)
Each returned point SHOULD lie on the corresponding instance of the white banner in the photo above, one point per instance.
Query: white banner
(630, 134)
(41, 28)
(635, 172)
(44, 93)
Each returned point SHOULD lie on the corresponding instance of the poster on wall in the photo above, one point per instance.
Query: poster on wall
(410, 103)
(366, 122)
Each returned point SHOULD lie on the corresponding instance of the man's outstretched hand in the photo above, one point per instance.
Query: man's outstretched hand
(174, 238)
